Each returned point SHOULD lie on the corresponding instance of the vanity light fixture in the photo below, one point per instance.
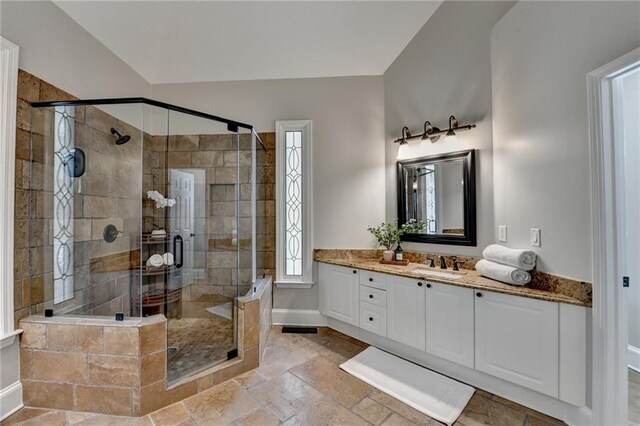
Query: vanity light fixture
(430, 132)
(433, 133)
(455, 127)
(406, 134)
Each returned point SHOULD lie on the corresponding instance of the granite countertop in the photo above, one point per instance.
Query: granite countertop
(470, 279)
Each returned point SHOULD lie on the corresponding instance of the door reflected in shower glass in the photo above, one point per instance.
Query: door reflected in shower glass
(202, 179)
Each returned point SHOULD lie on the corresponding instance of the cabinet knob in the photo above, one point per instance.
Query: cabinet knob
(428, 285)
(479, 294)
(370, 279)
(370, 318)
(371, 296)
(355, 272)
(419, 284)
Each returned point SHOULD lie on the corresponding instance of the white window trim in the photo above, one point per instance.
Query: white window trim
(8, 111)
(306, 280)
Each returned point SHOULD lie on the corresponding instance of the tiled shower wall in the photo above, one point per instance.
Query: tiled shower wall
(104, 196)
(218, 234)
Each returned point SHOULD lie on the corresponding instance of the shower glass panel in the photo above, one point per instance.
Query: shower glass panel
(85, 202)
(203, 179)
(142, 208)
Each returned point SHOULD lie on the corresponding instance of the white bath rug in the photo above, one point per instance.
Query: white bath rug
(433, 394)
(223, 310)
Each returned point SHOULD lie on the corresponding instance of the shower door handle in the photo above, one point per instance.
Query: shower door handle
(175, 250)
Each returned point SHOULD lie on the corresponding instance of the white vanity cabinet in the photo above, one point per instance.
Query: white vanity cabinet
(534, 344)
(339, 293)
(517, 339)
(406, 311)
(449, 323)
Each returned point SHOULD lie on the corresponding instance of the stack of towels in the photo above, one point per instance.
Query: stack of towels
(508, 265)
(157, 261)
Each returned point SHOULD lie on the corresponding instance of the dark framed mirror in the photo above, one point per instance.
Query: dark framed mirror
(441, 191)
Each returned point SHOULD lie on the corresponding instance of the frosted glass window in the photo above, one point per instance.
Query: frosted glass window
(63, 204)
(293, 203)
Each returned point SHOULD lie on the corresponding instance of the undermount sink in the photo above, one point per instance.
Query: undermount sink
(441, 274)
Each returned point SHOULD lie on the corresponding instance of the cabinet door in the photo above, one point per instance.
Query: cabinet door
(517, 340)
(339, 292)
(406, 311)
(450, 333)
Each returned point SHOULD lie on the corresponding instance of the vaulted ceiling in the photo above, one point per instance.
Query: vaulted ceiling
(190, 41)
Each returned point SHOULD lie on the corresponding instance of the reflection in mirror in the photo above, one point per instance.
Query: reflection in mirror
(439, 190)
(437, 196)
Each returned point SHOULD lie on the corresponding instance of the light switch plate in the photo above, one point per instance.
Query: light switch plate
(535, 238)
(502, 234)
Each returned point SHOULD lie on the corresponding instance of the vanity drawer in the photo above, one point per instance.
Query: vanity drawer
(373, 295)
(373, 279)
(373, 318)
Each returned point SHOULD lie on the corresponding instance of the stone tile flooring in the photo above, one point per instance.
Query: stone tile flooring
(299, 383)
(199, 343)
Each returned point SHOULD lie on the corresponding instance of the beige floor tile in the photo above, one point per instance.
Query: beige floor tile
(278, 360)
(397, 420)
(249, 379)
(174, 414)
(326, 376)
(409, 413)
(529, 411)
(371, 411)
(91, 419)
(324, 413)
(221, 404)
(52, 418)
(24, 414)
(259, 417)
(285, 395)
(335, 348)
(537, 421)
(288, 341)
(484, 411)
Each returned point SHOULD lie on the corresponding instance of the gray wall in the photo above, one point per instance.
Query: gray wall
(541, 53)
(56, 49)
(446, 69)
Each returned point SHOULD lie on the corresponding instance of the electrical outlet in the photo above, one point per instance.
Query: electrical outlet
(535, 238)
(502, 234)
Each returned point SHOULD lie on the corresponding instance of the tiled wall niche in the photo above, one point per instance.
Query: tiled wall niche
(98, 365)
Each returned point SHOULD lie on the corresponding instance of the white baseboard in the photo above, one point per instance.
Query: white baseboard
(10, 399)
(298, 317)
(634, 358)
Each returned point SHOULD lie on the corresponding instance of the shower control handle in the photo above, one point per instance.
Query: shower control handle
(175, 250)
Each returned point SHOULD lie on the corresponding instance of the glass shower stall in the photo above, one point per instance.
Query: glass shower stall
(138, 208)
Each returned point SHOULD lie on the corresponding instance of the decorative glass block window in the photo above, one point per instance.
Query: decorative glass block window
(63, 162)
(293, 200)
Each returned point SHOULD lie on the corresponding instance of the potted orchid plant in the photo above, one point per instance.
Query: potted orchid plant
(389, 234)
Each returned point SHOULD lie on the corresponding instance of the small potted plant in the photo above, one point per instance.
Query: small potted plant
(388, 234)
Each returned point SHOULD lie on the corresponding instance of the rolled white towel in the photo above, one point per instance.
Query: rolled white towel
(506, 274)
(522, 259)
(155, 261)
(167, 259)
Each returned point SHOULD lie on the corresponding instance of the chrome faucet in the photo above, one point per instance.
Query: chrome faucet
(443, 262)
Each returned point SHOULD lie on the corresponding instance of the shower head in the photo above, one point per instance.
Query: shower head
(122, 139)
